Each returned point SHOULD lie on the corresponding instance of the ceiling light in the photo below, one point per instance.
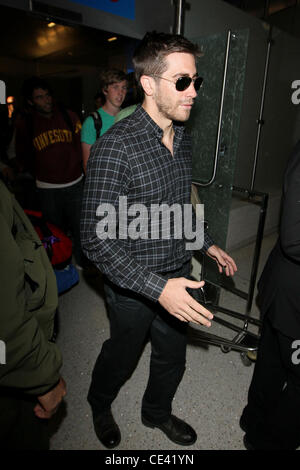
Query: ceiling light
(51, 24)
(114, 38)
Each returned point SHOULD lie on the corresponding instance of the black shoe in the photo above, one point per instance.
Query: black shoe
(247, 443)
(244, 427)
(176, 430)
(107, 430)
(243, 424)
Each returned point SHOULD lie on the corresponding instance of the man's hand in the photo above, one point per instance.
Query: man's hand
(178, 302)
(49, 403)
(8, 173)
(223, 260)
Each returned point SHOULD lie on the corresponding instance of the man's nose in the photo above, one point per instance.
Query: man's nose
(192, 91)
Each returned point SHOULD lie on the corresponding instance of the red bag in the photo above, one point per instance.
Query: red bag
(57, 244)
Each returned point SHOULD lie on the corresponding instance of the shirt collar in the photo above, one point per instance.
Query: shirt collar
(147, 123)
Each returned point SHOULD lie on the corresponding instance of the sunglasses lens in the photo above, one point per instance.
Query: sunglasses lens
(184, 82)
(198, 83)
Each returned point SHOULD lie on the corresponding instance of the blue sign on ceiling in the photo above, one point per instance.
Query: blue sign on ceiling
(125, 8)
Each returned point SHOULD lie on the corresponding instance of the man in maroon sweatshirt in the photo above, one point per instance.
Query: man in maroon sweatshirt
(48, 146)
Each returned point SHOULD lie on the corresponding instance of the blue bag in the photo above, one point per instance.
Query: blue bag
(66, 278)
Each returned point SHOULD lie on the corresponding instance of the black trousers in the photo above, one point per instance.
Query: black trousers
(20, 429)
(134, 319)
(272, 415)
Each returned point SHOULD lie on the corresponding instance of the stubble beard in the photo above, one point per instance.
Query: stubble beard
(45, 111)
(172, 112)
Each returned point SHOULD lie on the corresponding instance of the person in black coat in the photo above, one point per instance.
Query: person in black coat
(271, 418)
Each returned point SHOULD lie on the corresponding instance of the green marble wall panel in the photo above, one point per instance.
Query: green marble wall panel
(203, 125)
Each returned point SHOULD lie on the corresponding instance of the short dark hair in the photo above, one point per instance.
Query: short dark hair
(110, 76)
(33, 83)
(149, 56)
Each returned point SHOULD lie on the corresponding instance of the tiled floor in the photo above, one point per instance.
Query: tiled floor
(210, 397)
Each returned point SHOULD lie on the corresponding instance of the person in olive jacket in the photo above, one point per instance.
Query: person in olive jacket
(31, 387)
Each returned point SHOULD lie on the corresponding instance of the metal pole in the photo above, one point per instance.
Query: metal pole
(260, 119)
(266, 9)
(258, 243)
(217, 149)
(179, 17)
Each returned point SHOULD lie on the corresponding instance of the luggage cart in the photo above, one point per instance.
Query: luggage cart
(244, 341)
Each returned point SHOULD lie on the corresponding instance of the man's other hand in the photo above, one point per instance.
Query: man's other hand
(223, 260)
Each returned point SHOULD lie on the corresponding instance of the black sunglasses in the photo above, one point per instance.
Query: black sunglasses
(182, 83)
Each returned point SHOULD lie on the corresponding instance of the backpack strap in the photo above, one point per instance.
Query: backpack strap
(97, 122)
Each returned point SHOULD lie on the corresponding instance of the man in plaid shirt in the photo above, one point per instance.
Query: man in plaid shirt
(143, 162)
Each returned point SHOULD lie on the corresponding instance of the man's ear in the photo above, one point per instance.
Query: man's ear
(104, 91)
(147, 84)
(30, 102)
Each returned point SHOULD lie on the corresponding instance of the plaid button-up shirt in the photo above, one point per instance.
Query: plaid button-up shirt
(131, 160)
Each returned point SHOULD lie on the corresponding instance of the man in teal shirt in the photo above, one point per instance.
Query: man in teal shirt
(114, 87)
